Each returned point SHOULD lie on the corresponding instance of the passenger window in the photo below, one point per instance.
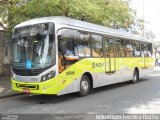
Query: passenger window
(122, 48)
(136, 49)
(66, 48)
(129, 48)
(66, 39)
(118, 48)
(149, 50)
(83, 45)
(143, 50)
(96, 45)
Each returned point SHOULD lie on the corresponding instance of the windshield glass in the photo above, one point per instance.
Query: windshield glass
(33, 52)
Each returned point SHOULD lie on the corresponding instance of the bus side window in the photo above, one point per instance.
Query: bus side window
(143, 50)
(123, 47)
(136, 49)
(129, 48)
(66, 48)
(96, 45)
(83, 45)
(149, 50)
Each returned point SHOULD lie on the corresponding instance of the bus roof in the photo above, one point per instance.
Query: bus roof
(82, 25)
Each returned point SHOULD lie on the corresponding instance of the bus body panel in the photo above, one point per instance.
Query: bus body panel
(68, 81)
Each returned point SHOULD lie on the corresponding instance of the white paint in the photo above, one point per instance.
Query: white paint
(152, 107)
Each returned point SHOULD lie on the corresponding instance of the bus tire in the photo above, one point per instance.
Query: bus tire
(135, 76)
(84, 86)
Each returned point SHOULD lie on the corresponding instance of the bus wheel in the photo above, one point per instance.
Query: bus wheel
(135, 76)
(84, 86)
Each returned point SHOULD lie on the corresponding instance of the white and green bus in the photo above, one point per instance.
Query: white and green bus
(60, 55)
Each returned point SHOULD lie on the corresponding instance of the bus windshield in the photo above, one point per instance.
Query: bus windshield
(33, 52)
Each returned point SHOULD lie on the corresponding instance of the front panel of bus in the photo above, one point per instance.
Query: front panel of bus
(34, 59)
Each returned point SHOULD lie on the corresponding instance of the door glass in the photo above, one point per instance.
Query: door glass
(109, 48)
(118, 47)
(109, 55)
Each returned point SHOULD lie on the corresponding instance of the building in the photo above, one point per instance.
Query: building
(5, 48)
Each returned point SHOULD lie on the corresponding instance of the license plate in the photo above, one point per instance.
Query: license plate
(26, 90)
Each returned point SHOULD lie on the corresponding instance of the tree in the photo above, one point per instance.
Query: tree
(137, 27)
(112, 13)
(9, 10)
(149, 35)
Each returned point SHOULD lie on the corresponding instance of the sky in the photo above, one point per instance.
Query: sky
(150, 13)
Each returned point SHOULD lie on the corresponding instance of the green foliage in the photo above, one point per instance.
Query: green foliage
(110, 13)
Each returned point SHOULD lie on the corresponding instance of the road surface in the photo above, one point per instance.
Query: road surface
(142, 97)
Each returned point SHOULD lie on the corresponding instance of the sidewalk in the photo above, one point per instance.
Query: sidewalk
(5, 88)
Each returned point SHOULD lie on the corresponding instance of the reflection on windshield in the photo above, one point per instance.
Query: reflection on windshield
(33, 52)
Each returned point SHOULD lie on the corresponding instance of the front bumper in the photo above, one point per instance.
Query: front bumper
(47, 87)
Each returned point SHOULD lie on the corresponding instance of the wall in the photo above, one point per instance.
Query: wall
(5, 52)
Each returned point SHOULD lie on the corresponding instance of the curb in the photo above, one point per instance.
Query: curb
(11, 95)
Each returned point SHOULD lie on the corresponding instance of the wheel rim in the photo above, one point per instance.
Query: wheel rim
(84, 86)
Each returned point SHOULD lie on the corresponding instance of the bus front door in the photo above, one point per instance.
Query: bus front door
(110, 64)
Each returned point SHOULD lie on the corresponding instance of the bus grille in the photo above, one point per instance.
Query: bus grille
(29, 86)
(24, 72)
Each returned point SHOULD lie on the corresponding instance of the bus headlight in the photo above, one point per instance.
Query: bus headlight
(48, 76)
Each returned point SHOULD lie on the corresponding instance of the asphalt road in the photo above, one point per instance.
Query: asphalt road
(142, 97)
